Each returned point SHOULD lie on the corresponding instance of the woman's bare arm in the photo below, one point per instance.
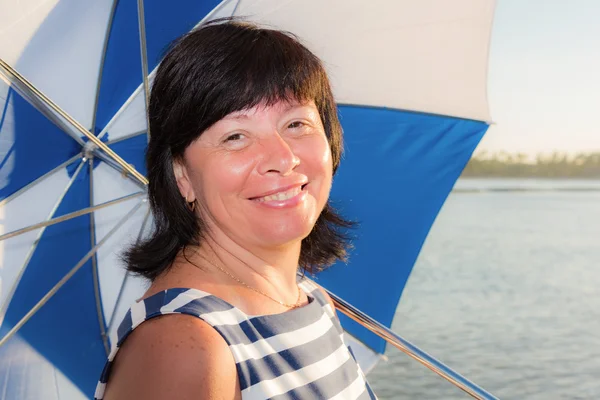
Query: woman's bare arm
(174, 357)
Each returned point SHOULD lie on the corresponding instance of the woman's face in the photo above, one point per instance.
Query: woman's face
(262, 176)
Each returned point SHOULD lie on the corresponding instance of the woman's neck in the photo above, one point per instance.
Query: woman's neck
(270, 270)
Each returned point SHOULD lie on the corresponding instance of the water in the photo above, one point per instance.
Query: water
(507, 292)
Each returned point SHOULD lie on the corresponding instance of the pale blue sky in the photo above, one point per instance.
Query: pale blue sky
(544, 76)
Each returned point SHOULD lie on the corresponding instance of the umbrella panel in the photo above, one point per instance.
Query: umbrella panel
(412, 158)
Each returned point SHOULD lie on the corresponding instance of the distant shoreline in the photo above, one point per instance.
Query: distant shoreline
(584, 166)
(498, 184)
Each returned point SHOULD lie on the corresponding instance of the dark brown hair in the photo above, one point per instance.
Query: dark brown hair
(218, 68)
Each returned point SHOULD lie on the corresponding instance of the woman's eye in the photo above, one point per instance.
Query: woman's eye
(233, 137)
(296, 124)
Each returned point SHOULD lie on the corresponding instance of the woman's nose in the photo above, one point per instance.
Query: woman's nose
(278, 156)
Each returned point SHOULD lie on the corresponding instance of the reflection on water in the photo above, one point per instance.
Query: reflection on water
(507, 292)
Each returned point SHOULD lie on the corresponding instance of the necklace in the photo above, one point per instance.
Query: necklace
(241, 282)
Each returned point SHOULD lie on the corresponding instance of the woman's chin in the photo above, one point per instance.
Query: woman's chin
(275, 236)
(279, 227)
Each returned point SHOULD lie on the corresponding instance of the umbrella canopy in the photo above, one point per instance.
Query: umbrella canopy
(410, 80)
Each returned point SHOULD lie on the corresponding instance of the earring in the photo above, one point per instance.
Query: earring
(191, 204)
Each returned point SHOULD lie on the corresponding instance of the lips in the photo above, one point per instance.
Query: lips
(282, 193)
(281, 196)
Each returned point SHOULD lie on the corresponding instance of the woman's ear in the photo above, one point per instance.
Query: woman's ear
(183, 181)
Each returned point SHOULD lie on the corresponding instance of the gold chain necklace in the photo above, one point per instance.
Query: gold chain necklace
(235, 278)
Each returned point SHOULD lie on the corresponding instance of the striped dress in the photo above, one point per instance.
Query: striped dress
(299, 354)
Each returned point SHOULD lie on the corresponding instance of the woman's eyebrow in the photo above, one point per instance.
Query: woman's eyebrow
(237, 116)
(294, 106)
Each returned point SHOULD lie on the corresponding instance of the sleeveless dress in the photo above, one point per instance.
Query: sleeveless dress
(298, 354)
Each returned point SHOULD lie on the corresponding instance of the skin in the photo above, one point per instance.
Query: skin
(240, 158)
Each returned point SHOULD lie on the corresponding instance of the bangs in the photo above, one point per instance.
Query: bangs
(272, 68)
(237, 66)
(261, 67)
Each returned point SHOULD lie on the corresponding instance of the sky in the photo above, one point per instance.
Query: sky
(544, 77)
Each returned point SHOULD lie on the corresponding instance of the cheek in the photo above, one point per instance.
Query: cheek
(229, 173)
(218, 175)
(325, 160)
(318, 162)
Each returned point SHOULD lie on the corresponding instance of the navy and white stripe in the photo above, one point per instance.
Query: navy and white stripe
(299, 354)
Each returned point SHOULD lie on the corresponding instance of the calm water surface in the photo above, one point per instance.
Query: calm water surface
(507, 292)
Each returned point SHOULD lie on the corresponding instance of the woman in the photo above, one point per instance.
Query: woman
(244, 143)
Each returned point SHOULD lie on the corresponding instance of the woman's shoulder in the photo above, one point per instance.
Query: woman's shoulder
(173, 356)
(317, 291)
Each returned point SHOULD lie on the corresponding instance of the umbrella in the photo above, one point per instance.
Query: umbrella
(410, 80)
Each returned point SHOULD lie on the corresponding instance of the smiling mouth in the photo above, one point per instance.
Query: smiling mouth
(281, 196)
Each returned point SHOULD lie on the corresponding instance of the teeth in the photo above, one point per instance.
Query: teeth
(288, 194)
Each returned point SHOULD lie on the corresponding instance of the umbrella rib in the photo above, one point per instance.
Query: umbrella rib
(237, 4)
(95, 278)
(38, 180)
(6, 69)
(12, 290)
(6, 377)
(127, 274)
(12, 78)
(144, 56)
(121, 110)
(68, 276)
(69, 216)
(409, 349)
(57, 391)
(101, 71)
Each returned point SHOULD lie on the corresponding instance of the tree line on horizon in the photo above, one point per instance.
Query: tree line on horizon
(519, 165)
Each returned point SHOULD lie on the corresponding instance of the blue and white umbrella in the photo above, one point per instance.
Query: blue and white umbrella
(410, 79)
